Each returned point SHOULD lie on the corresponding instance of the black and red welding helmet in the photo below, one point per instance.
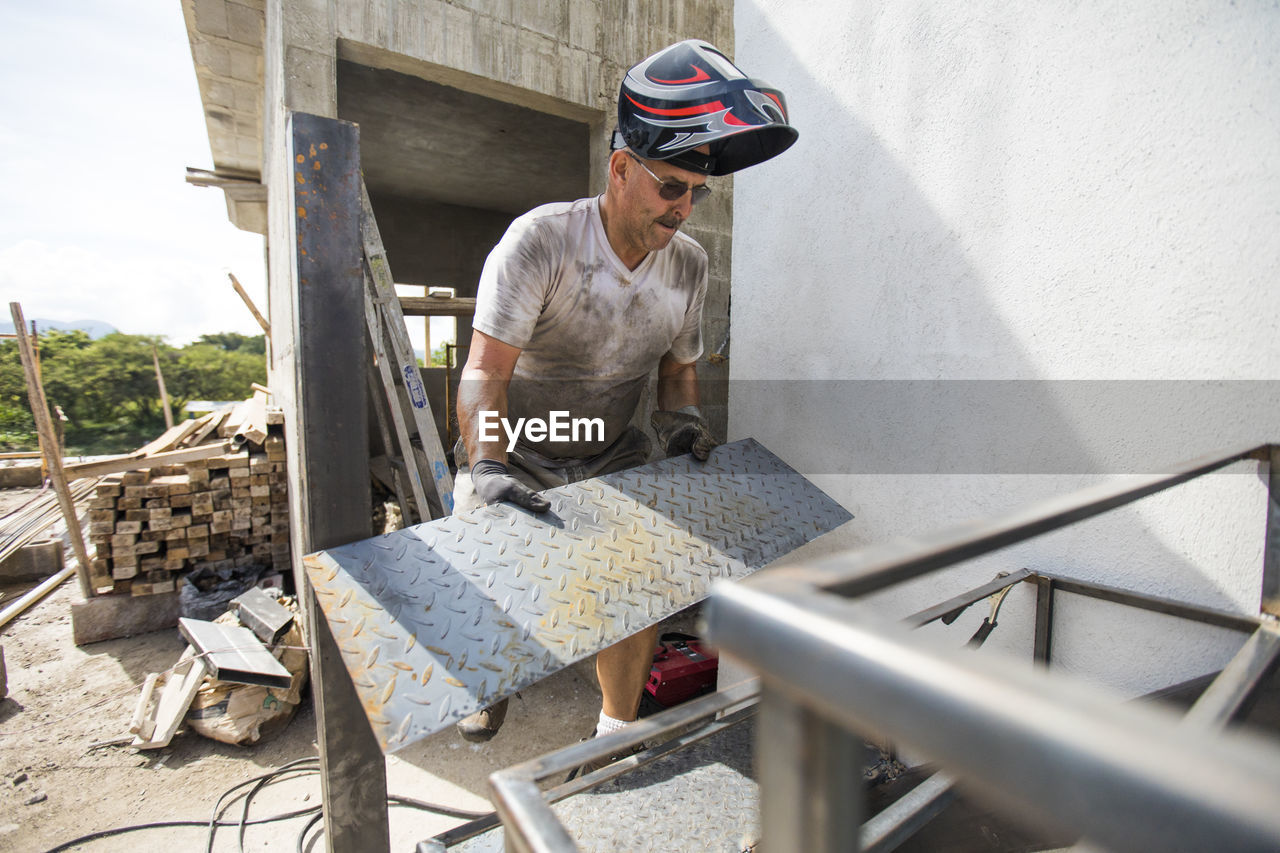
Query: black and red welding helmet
(690, 94)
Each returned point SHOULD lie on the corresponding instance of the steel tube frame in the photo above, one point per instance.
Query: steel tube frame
(883, 832)
(525, 810)
(1131, 777)
(908, 815)
(865, 571)
(1230, 696)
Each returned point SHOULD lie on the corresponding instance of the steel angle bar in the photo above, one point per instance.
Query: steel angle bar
(904, 818)
(1059, 752)
(440, 619)
(1231, 694)
(525, 809)
(957, 604)
(878, 567)
(1156, 604)
(234, 654)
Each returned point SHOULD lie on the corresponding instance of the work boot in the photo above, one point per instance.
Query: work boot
(483, 724)
(590, 766)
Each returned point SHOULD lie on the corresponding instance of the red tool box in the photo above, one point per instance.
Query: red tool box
(683, 668)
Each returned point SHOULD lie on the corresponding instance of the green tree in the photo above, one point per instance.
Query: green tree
(107, 388)
(236, 342)
(112, 379)
(204, 371)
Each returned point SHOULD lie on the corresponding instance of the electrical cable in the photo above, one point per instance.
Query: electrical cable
(218, 807)
(299, 766)
(449, 811)
(244, 815)
(121, 830)
(303, 834)
(397, 800)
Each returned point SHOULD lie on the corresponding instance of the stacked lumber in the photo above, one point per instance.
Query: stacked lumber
(223, 505)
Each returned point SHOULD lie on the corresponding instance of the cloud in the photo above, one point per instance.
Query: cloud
(137, 293)
(100, 117)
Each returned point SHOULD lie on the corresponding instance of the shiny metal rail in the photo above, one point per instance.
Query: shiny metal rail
(1046, 748)
(529, 823)
(537, 827)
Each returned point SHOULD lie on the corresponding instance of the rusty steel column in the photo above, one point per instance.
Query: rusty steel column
(328, 424)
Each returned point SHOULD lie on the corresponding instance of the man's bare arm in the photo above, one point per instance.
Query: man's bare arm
(482, 387)
(677, 384)
(678, 422)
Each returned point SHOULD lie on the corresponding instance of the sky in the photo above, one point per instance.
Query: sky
(99, 117)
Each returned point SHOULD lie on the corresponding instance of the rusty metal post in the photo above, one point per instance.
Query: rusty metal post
(1271, 553)
(329, 423)
(1044, 621)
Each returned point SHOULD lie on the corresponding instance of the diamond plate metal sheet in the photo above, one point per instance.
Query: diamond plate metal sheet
(443, 618)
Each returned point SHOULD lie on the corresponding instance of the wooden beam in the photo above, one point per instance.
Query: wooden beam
(52, 452)
(253, 309)
(164, 394)
(137, 463)
(437, 306)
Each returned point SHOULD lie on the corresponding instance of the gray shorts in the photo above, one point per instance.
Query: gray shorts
(538, 472)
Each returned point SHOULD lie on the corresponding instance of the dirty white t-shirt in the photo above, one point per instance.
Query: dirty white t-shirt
(590, 330)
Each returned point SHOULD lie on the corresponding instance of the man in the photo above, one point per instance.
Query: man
(580, 301)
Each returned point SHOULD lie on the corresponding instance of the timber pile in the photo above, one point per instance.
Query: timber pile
(223, 505)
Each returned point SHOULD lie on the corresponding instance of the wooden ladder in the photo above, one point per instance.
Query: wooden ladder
(419, 471)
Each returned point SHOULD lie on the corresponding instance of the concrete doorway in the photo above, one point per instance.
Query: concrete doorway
(447, 171)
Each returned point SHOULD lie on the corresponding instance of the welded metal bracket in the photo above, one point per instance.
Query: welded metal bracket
(440, 619)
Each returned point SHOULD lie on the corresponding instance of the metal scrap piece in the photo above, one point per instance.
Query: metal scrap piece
(232, 653)
(262, 615)
(443, 618)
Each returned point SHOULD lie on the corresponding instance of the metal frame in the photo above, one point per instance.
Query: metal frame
(525, 810)
(1130, 777)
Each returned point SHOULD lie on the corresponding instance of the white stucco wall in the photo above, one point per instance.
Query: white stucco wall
(1065, 200)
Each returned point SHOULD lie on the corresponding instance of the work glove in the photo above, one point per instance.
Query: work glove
(493, 483)
(683, 431)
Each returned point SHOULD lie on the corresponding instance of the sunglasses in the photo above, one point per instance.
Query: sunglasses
(673, 190)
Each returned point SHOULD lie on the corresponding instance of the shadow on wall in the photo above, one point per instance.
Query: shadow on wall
(865, 327)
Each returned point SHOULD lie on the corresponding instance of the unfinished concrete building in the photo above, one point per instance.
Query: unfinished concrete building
(958, 161)
(469, 115)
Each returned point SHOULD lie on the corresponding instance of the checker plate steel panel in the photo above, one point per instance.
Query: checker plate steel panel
(443, 618)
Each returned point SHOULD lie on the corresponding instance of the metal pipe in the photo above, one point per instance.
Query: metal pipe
(1055, 751)
(462, 832)
(904, 818)
(1156, 604)
(901, 560)
(530, 825)
(46, 586)
(1231, 695)
(965, 599)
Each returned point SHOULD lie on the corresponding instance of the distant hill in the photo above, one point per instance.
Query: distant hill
(95, 328)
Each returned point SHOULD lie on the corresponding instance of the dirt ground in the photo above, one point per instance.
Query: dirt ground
(57, 783)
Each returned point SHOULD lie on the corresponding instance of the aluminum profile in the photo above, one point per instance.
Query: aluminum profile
(443, 618)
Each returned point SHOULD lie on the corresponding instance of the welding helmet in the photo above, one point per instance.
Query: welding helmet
(690, 94)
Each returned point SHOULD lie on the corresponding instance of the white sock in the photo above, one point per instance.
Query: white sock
(608, 725)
